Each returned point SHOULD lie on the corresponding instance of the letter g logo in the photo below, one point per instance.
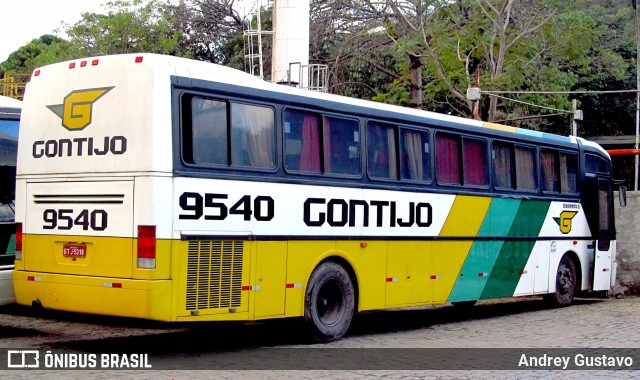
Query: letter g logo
(564, 221)
(77, 108)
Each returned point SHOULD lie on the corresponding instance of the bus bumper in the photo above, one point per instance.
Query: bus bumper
(147, 299)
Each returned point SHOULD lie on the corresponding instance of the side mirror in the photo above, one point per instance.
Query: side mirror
(622, 196)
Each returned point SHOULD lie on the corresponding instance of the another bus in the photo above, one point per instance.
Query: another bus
(9, 124)
(168, 189)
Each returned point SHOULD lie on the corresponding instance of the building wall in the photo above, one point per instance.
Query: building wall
(628, 241)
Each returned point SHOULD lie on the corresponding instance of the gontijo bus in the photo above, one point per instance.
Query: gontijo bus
(164, 188)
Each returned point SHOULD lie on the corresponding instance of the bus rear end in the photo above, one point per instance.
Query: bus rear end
(92, 178)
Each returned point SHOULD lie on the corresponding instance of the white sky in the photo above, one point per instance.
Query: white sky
(24, 20)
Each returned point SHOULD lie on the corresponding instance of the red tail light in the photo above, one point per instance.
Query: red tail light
(18, 241)
(147, 247)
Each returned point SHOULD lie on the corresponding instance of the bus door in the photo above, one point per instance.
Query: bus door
(603, 266)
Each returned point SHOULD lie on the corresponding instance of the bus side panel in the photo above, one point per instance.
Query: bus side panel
(369, 260)
(302, 258)
(409, 267)
(515, 253)
(465, 220)
(268, 278)
(483, 255)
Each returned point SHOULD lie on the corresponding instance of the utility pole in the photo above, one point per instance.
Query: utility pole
(637, 128)
(473, 95)
(575, 117)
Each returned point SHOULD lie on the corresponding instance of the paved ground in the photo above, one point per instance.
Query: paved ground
(380, 344)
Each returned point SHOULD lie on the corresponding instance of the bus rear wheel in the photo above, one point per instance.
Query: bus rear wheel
(565, 284)
(329, 302)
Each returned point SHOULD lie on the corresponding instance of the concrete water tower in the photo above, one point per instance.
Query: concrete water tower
(290, 39)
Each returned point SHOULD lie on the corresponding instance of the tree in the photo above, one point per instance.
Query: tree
(208, 26)
(128, 27)
(39, 52)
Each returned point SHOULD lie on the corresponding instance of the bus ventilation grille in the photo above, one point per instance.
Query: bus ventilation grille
(214, 274)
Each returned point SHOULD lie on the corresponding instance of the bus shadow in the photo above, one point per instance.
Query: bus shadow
(211, 337)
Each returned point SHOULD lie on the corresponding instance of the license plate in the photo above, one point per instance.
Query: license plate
(74, 250)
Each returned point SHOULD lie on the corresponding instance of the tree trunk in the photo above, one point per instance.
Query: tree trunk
(416, 81)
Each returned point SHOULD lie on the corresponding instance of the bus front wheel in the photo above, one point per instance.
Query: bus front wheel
(329, 302)
(565, 284)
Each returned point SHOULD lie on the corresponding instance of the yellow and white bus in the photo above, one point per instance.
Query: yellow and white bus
(168, 189)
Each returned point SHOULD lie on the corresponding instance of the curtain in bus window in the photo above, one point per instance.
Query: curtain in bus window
(208, 131)
(415, 155)
(252, 139)
(310, 147)
(448, 159)
(475, 162)
(503, 165)
(341, 146)
(381, 151)
(525, 168)
(568, 173)
(550, 177)
(326, 144)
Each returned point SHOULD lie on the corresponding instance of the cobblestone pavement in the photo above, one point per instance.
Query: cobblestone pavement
(513, 324)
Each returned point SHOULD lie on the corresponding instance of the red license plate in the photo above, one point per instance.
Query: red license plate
(74, 250)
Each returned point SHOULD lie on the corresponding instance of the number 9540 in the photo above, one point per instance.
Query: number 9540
(66, 219)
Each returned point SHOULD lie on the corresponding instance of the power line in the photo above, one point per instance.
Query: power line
(531, 117)
(530, 104)
(586, 92)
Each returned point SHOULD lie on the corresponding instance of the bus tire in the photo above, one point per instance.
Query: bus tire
(565, 284)
(329, 302)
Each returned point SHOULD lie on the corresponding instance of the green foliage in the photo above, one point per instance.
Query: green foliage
(128, 27)
(39, 52)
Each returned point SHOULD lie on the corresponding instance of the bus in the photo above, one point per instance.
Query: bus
(168, 189)
(9, 124)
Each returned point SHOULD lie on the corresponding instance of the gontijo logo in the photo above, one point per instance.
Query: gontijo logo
(77, 108)
(564, 221)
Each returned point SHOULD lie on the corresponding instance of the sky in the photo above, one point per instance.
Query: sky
(24, 20)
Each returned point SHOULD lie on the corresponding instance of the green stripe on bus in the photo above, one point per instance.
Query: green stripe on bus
(514, 254)
(483, 254)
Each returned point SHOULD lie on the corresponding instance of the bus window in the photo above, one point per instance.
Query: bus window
(448, 159)
(208, 131)
(595, 164)
(302, 141)
(475, 162)
(252, 136)
(525, 168)
(341, 146)
(503, 165)
(381, 151)
(568, 172)
(550, 177)
(414, 154)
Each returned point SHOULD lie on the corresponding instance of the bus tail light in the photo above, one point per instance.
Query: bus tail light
(147, 247)
(18, 241)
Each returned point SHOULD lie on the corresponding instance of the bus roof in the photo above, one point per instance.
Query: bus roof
(10, 108)
(198, 70)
